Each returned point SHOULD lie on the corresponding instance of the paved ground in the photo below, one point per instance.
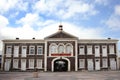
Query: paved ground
(95, 75)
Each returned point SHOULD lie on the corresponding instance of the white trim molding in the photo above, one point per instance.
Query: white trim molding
(45, 58)
(76, 56)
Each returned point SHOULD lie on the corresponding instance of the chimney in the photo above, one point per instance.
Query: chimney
(17, 38)
(33, 38)
(109, 38)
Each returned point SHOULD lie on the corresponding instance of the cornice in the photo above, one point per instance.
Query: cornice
(98, 41)
(24, 41)
(61, 39)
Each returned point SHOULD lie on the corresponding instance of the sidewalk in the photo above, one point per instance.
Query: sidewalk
(95, 75)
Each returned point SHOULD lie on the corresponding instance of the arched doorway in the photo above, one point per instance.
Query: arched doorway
(60, 65)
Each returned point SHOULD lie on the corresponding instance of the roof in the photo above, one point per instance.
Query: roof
(61, 34)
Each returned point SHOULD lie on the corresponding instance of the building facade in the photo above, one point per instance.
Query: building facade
(60, 51)
(0, 61)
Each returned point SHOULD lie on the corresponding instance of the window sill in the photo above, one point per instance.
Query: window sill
(31, 54)
(31, 68)
(81, 54)
(39, 68)
(90, 54)
(39, 54)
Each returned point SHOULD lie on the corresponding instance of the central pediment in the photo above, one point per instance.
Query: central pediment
(61, 34)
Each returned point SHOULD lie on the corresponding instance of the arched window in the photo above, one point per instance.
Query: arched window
(69, 48)
(61, 49)
(53, 48)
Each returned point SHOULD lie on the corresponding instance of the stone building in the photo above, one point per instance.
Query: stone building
(60, 51)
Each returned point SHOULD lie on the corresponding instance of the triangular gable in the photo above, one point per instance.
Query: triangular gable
(61, 34)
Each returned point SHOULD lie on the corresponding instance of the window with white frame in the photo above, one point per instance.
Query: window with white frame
(31, 63)
(24, 51)
(81, 50)
(104, 63)
(8, 51)
(60, 49)
(39, 63)
(53, 48)
(89, 49)
(16, 51)
(81, 63)
(69, 49)
(111, 49)
(104, 51)
(32, 50)
(15, 63)
(39, 50)
(97, 51)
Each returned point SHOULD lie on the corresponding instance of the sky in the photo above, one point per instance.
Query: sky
(86, 19)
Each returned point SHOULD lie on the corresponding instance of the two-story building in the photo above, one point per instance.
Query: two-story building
(60, 51)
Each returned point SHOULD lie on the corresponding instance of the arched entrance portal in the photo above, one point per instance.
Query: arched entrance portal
(60, 65)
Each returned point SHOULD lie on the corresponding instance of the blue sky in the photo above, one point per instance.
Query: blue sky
(87, 19)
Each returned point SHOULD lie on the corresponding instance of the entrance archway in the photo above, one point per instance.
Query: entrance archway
(63, 60)
(61, 65)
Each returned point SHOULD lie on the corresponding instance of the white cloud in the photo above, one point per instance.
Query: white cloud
(114, 20)
(27, 32)
(6, 5)
(23, 32)
(102, 2)
(29, 18)
(117, 10)
(14, 15)
(82, 32)
(3, 21)
(34, 20)
(40, 5)
(81, 8)
(64, 8)
(78, 31)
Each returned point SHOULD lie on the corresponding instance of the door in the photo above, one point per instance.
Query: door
(90, 64)
(61, 65)
(7, 64)
(112, 64)
(97, 64)
(23, 64)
